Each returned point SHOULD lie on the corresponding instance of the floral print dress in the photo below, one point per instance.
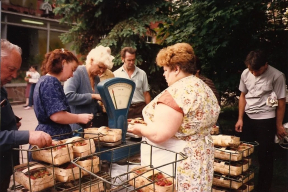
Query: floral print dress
(200, 112)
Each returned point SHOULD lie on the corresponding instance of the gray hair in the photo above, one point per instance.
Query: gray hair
(7, 47)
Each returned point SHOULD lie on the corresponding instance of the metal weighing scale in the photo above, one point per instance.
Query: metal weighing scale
(116, 94)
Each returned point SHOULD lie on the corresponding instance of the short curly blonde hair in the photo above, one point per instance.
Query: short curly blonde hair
(100, 54)
(180, 54)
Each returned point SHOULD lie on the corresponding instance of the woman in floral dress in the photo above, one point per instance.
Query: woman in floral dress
(180, 119)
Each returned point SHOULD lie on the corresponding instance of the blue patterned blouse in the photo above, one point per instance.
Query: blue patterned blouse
(49, 98)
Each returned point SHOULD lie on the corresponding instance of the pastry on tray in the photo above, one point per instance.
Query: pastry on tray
(40, 177)
(226, 140)
(58, 154)
(104, 134)
(81, 147)
(155, 180)
(233, 154)
(231, 168)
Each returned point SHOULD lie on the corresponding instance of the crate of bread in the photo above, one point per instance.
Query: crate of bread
(58, 154)
(104, 134)
(38, 175)
(150, 180)
(89, 163)
(234, 154)
(230, 167)
(81, 147)
(226, 140)
(232, 182)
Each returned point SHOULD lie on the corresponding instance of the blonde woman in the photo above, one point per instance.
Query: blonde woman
(81, 90)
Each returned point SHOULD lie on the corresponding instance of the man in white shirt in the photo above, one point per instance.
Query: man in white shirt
(261, 111)
(128, 70)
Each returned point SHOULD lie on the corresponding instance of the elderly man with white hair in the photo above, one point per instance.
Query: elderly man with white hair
(81, 90)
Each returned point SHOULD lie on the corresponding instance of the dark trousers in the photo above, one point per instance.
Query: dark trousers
(4, 183)
(263, 131)
(135, 110)
(31, 94)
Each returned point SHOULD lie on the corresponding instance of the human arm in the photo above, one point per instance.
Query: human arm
(64, 117)
(72, 87)
(166, 124)
(280, 111)
(242, 103)
(147, 97)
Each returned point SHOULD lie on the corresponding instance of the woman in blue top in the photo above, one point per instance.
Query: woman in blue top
(50, 104)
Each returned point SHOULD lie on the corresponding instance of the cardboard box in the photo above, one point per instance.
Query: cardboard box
(104, 134)
(90, 164)
(59, 154)
(81, 147)
(234, 182)
(37, 184)
(232, 168)
(67, 172)
(234, 154)
(226, 140)
(144, 176)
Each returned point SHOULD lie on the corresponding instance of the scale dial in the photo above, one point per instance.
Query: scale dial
(120, 94)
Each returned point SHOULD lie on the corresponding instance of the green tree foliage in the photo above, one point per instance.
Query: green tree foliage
(221, 33)
(117, 24)
(111, 23)
(224, 32)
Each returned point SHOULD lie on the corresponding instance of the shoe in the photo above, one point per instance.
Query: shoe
(27, 107)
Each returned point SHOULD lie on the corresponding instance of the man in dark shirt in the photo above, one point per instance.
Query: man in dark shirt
(10, 137)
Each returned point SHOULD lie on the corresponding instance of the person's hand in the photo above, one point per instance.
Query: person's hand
(84, 118)
(238, 126)
(18, 125)
(281, 133)
(96, 96)
(135, 129)
(39, 138)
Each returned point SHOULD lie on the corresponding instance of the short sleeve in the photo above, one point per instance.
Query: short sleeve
(53, 97)
(242, 86)
(167, 99)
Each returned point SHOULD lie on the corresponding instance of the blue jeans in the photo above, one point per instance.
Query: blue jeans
(31, 95)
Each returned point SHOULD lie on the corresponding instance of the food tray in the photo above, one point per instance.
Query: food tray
(226, 140)
(36, 177)
(234, 154)
(232, 182)
(152, 180)
(58, 154)
(81, 147)
(231, 168)
(247, 187)
(105, 134)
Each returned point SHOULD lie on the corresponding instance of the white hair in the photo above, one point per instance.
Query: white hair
(100, 54)
(7, 47)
